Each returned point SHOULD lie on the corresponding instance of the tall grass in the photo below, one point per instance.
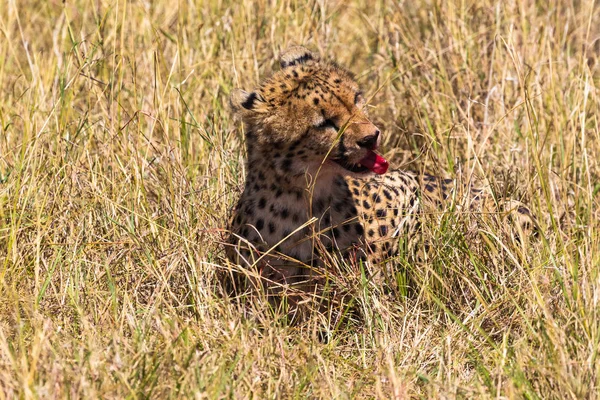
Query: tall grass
(119, 163)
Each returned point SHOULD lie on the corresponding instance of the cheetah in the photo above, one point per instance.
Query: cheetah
(315, 184)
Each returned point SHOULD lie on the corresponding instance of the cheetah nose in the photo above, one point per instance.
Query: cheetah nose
(369, 142)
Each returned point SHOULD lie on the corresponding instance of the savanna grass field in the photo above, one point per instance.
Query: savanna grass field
(120, 162)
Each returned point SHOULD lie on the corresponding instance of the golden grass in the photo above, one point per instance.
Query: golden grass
(119, 162)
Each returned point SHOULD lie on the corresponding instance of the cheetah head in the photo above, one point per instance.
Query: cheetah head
(310, 114)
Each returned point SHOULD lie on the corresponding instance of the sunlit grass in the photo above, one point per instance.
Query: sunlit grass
(120, 161)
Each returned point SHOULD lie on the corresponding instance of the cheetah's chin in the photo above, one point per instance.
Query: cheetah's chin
(371, 162)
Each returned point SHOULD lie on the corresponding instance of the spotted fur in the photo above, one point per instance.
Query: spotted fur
(305, 197)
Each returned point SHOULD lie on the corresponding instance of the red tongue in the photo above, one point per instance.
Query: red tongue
(375, 163)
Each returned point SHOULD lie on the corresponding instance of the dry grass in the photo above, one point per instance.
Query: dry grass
(119, 161)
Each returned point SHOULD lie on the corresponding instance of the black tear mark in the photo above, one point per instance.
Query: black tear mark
(249, 103)
(342, 146)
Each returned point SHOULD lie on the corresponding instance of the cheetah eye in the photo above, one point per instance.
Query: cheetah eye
(327, 123)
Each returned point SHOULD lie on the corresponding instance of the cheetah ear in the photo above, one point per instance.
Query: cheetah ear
(296, 55)
(243, 102)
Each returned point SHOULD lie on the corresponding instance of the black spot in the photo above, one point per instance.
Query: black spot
(359, 229)
(245, 254)
(326, 219)
(387, 194)
(278, 193)
(260, 224)
(381, 213)
(395, 212)
(338, 206)
(295, 73)
(285, 213)
(346, 227)
(356, 192)
(339, 181)
(319, 205)
(523, 210)
(316, 101)
(429, 187)
(337, 81)
(376, 198)
(272, 90)
(262, 203)
(271, 227)
(286, 165)
(366, 204)
(336, 232)
(371, 233)
(389, 252)
(383, 229)
(249, 103)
